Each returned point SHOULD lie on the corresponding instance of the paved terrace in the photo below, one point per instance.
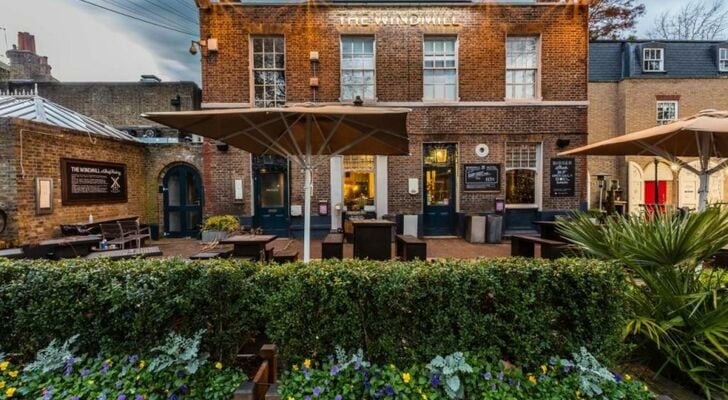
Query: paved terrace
(436, 248)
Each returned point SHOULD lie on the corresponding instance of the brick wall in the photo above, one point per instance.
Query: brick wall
(42, 148)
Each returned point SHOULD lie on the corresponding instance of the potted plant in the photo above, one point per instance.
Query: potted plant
(595, 215)
(219, 227)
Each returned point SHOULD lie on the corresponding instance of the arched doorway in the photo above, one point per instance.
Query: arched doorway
(689, 183)
(183, 200)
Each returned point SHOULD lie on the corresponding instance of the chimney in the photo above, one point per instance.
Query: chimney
(26, 42)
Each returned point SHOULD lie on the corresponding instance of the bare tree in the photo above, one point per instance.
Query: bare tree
(696, 20)
(611, 19)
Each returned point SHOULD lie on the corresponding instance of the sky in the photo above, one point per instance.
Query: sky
(86, 43)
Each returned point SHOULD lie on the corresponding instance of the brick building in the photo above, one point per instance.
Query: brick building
(25, 63)
(496, 90)
(634, 85)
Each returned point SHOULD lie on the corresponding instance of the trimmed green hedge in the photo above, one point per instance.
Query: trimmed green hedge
(522, 310)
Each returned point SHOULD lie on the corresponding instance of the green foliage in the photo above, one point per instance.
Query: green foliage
(53, 357)
(521, 310)
(591, 372)
(119, 377)
(179, 352)
(450, 369)
(120, 307)
(680, 308)
(481, 379)
(225, 223)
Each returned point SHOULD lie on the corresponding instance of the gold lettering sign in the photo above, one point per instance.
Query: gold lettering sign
(405, 18)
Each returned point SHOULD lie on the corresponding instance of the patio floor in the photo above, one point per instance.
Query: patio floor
(436, 248)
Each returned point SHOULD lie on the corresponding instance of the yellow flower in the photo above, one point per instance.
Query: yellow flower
(141, 364)
(646, 388)
(109, 362)
(424, 396)
(406, 377)
(627, 377)
(13, 374)
(391, 366)
(291, 398)
(544, 368)
(307, 363)
(295, 367)
(10, 392)
(2, 384)
(90, 382)
(4, 365)
(218, 365)
(532, 379)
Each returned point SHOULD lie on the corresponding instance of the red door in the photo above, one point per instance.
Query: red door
(650, 194)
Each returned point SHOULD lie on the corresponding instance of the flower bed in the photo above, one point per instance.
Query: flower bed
(173, 371)
(457, 376)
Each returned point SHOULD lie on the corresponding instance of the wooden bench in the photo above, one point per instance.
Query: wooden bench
(285, 256)
(12, 253)
(525, 246)
(126, 253)
(333, 246)
(410, 248)
(212, 253)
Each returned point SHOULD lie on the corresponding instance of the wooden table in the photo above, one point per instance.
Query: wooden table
(250, 245)
(373, 239)
(94, 227)
(548, 230)
(71, 246)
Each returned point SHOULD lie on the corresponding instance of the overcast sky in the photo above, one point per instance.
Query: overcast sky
(85, 43)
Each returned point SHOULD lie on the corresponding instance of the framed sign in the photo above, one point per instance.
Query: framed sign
(43, 196)
(563, 177)
(482, 177)
(89, 182)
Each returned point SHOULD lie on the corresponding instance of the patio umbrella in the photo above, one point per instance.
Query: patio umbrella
(300, 133)
(703, 135)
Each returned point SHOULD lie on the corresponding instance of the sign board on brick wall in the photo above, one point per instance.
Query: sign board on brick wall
(482, 177)
(563, 177)
(92, 182)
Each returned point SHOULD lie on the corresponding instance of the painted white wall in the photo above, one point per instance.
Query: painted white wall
(337, 190)
(381, 192)
(636, 188)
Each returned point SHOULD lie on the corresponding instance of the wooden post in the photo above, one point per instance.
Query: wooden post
(269, 352)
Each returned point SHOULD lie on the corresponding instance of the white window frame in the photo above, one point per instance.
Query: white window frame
(723, 59)
(456, 47)
(537, 76)
(660, 59)
(341, 68)
(372, 170)
(252, 69)
(657, 110)
(538, 190)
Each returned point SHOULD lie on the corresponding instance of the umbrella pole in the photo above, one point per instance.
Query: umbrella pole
(703, 191)
(307, 216)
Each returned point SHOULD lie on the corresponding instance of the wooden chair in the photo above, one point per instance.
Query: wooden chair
(132, 230)
(114, 235)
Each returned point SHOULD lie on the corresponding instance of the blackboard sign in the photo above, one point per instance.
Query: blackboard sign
(563, 177)
(482, 177)
(88, 182)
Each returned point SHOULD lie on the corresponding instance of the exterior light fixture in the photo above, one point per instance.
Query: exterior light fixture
(358, 101)
(601, 177)
(206, 46)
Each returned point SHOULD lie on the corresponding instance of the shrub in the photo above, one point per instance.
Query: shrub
(476, 378)
(120, 307)
(519, 309)
(680, 308)
(225, 223)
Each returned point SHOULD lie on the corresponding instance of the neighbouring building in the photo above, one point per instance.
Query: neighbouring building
(25, 63)
(635, 85)
(4, 72)
(497, 91)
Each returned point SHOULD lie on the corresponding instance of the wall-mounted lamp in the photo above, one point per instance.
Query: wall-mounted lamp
(561, 143)
(206, 46)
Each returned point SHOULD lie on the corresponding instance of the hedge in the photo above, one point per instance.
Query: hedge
(522, 310)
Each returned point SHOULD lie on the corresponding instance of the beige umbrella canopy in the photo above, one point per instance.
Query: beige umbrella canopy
(300, 133)
(703, 135)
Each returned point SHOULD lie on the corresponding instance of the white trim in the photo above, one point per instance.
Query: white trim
(538, 179)
(722, 50)
(381, 192)
(251, 66)
(661, 59)
(225, 105)
(657, 111)
(337, 190)
(537, 78)
(456, 48)
(341, 68)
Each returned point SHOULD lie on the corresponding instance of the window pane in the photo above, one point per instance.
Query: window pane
(357, 67)
(520, 186)
(440, 69)
(521, 67)
(359, 182)
(272, 189)
(269, 71)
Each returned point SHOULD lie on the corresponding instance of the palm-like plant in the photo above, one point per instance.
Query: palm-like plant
(679, 306)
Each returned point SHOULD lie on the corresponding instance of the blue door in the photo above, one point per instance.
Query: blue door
(183, 199)
(439, 216)
(270, 181)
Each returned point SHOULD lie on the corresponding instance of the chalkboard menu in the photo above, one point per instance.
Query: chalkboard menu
(562, 177)
(88, 182)
(482, 177)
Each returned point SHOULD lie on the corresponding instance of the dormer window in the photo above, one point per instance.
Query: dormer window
(653, 60)
(723, 59)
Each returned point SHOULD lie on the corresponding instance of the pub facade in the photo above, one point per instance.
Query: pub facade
(497, 90)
